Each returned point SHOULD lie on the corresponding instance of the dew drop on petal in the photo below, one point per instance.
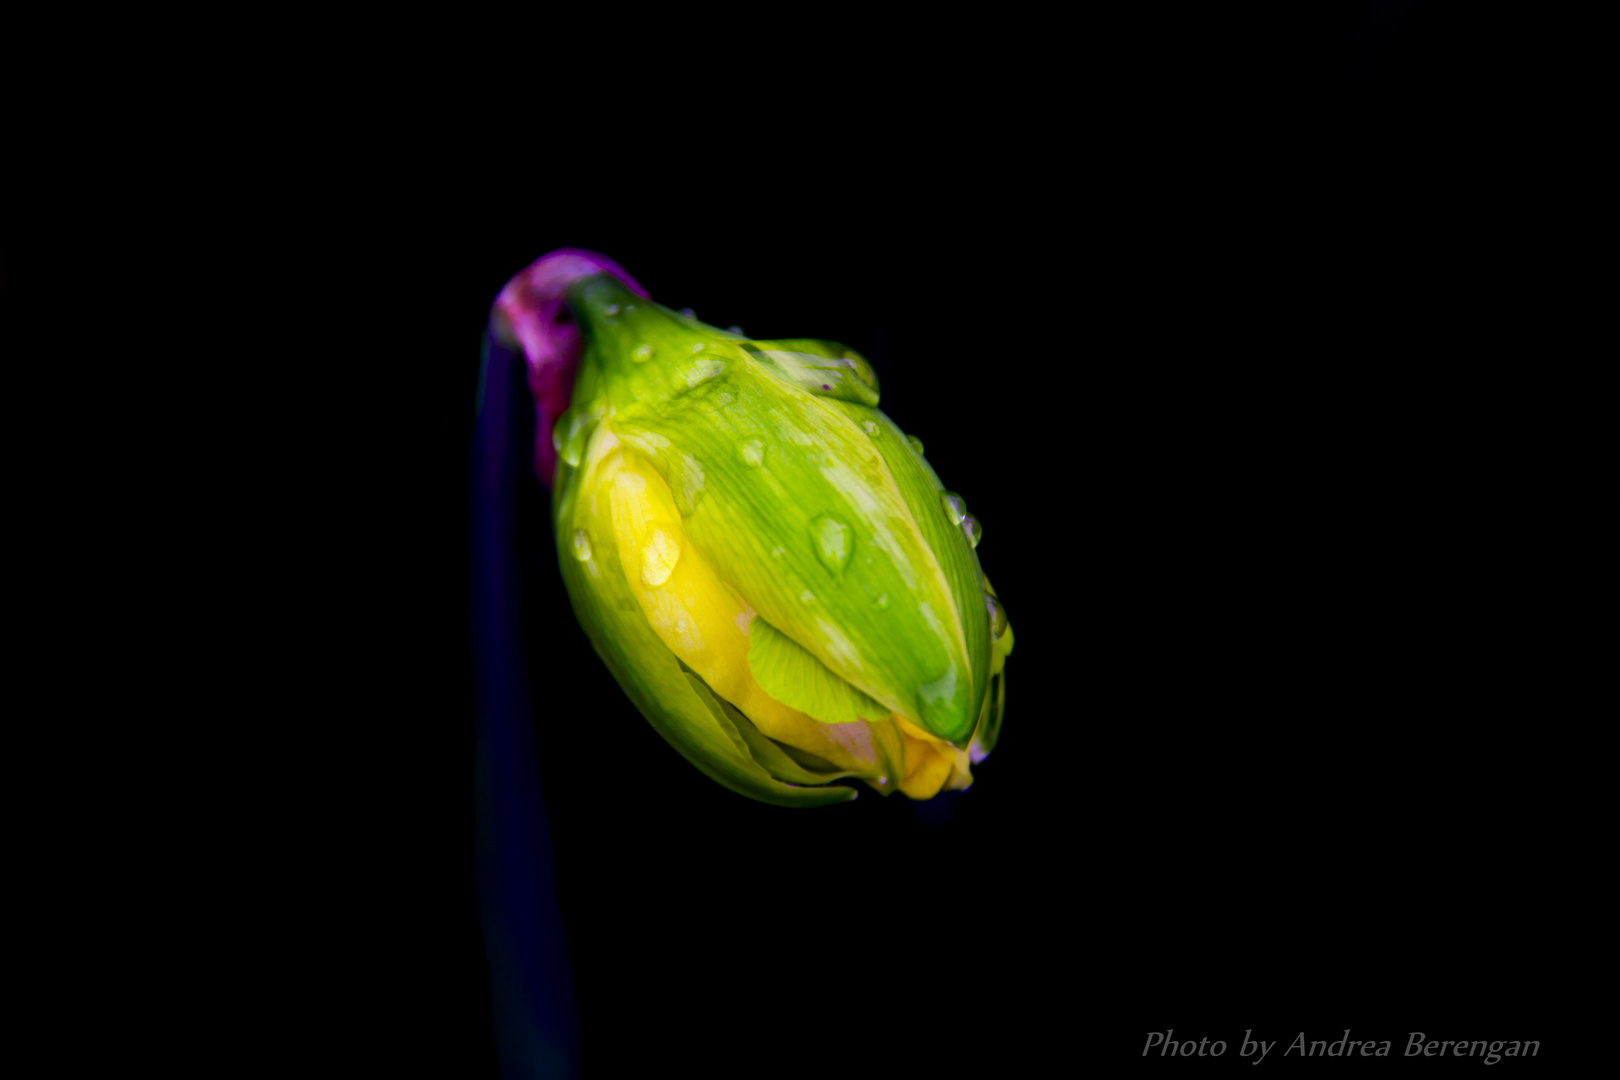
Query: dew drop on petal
(833, 542)
(998, 617)
(941, 700)
(611, 310)
(582, 545)
(971, 529)
(871, 428)
(658, 558)
(752, 452)
(955, 506)
(573, 431)
(883, 600)
(807, 596)
(915, 443)
(642, 354)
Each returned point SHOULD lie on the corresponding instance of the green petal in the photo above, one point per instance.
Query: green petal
(925, 497)
(792, 675)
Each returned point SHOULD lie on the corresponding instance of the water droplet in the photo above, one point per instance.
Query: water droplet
(688, 312)
(941, 701)
(582, 546)
(642, 354)
(752, 452)
(915, 443)
(955, 506)
(697, 347)
(807, 596)
(883, 600)
(573, 431)
(611, 310)
(658, 558)
(778, 551)
(833, 542)
(883, 779)
(971, 529)
(871, 428)
(737, 330)
(698, 372)
(998, 617)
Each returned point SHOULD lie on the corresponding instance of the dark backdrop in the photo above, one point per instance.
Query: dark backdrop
(1178, 334)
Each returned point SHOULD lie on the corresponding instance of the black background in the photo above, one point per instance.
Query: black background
(1178, 325)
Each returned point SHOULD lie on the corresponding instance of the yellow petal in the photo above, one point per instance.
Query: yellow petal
(932, 764)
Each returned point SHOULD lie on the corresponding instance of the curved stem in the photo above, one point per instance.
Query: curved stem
(531, 988)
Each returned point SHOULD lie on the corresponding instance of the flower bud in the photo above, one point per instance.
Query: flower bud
(767, 564)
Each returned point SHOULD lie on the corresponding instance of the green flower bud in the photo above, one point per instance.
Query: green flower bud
(767, 564)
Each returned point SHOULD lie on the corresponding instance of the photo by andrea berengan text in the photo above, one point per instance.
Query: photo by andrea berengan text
(1417, 1045)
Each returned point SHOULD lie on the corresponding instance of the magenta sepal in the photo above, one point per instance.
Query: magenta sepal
(531, 313)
